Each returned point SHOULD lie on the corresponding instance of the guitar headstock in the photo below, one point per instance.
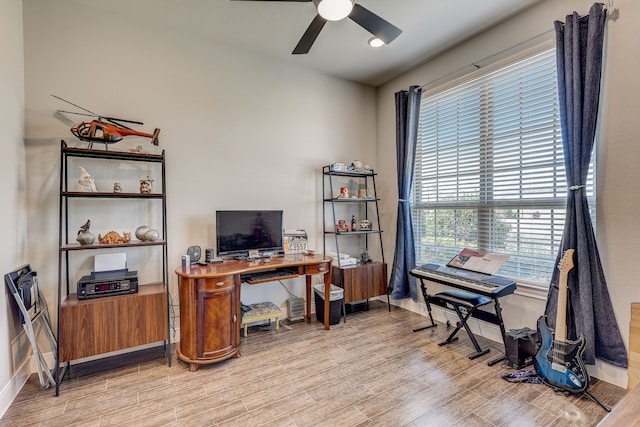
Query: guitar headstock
(566, 263)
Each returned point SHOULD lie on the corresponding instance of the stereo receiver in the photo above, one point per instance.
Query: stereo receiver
(108, 283)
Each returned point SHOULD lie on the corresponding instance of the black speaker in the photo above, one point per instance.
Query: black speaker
(520, 347)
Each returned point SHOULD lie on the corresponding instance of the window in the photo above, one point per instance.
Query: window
(489, 170)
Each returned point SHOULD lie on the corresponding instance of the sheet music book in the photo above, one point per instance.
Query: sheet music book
(478, 261)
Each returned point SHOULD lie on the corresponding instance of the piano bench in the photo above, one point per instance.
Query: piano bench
(464, 304)
(465, 299)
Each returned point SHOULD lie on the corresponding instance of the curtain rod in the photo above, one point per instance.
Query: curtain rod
(474, 64)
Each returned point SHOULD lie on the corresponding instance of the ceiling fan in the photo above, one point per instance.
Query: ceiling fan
(336, 10)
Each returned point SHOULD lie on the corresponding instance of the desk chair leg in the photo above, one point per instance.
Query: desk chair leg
(344, 311)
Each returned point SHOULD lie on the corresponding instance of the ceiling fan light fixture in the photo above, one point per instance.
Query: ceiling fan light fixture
(334, 10)
(375, 42)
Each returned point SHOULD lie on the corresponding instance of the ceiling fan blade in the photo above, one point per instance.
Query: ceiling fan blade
(309, 36)
(384, 30)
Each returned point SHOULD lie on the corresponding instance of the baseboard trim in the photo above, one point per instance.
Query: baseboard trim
(13, 387)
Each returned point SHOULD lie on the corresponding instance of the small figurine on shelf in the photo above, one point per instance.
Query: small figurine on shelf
(151, 235)
(86, 183)
(353, 223)
(113, 237)
(141, 231)
(117, 187)
(342, 226)
(146, 185)
(364, 257)
(85, 237)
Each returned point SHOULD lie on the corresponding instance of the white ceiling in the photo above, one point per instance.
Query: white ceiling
(273, 28)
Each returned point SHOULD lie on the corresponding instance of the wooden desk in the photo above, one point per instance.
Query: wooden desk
(210, 302)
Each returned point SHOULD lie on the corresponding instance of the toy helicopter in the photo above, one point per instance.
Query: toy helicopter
(105, 130)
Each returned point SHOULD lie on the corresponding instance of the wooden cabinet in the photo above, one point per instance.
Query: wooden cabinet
(361, 282)
(90, 327)
(102, 325)
(209, 319)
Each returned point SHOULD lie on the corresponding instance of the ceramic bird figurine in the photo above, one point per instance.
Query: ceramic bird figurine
(86, 183)
(85, 227)
(85, 237)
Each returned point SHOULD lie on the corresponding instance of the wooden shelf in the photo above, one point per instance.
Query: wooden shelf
(79, 247)
(113, 155)
(327, 171)
(105, 195)
(352, 200)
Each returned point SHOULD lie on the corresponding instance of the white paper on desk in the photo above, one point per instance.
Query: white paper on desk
(479, 261)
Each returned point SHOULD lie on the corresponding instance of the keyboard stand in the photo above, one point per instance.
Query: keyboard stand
(426, 297)
(485, 316)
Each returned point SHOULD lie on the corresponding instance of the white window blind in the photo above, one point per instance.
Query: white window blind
(489, 170)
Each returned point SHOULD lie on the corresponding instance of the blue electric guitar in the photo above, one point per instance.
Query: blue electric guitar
(558, 360)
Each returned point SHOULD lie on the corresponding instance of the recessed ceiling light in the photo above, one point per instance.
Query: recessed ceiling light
(375, 42)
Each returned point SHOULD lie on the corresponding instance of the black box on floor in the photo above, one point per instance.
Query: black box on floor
(355, 307)
(335, 303)
(520, 347)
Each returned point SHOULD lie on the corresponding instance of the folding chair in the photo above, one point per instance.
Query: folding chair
(23, 284)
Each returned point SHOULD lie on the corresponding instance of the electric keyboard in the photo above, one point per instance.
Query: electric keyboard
(478, 283)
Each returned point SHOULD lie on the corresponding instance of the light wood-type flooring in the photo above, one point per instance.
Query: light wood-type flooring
(372, 371)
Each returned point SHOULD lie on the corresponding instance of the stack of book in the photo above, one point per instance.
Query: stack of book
(342, 260)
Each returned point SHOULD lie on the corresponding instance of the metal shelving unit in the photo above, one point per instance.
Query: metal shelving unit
(149, 293)
(365, 207)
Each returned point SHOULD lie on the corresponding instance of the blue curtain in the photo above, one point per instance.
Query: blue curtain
(579, 44)
(402, 284)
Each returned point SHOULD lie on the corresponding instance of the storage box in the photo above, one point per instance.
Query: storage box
(336, 301)
(520, 347)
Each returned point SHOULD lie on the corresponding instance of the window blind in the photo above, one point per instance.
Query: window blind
(489, 169)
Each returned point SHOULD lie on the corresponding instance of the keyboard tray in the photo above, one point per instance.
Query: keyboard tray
(270, 275)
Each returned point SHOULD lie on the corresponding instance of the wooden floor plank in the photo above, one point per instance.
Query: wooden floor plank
(371, 371)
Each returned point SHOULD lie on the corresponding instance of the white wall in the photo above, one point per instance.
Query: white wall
(618, 226)
(239, 131)
(15, 349)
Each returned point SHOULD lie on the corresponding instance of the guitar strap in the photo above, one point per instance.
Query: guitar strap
(523, 376)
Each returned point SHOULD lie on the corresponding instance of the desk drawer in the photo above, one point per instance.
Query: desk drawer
(317, 269)
(215, 284)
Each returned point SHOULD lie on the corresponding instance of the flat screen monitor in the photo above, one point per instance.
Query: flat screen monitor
(249, 232)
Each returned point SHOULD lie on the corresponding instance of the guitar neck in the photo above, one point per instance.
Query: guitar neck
(561, 312)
